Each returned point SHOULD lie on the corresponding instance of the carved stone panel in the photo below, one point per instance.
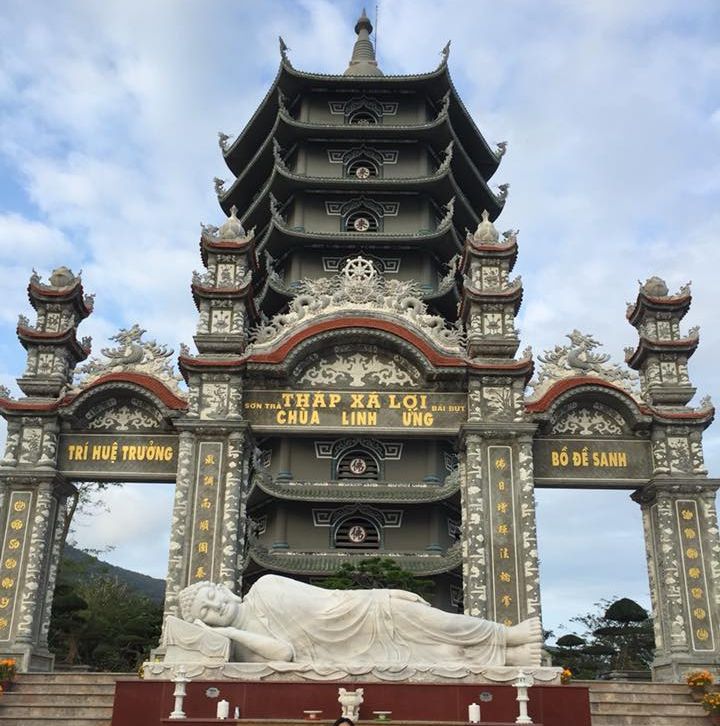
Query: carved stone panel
(358, 369)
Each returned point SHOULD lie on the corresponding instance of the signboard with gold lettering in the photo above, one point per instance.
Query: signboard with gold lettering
(623, 463)
(123, 457)
(332, 410)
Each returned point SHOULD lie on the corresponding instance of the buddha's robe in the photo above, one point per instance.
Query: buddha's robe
(366, 626)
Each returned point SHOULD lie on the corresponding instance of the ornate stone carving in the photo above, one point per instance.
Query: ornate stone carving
(132, 354)
(30, 442)
(594, 420)
(223, 140)
(132, 415)
(578, 359)
(219, 187)
(357, 370)
(359, 287)
(4, 392)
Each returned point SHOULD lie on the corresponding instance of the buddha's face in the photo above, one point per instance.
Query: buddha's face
(215, 605)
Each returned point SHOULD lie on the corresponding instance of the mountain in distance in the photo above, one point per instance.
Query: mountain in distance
(151, 587)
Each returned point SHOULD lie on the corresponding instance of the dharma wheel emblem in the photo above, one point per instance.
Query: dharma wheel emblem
(357, 534)
(361, 224)
(362, 172)
(358, 466)
(359, 269)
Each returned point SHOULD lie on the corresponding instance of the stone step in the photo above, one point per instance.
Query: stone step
(15, 698)
(72, 677)
(637, 720)
(610, 697)
(661, 709)
(98, 689)
(633, 687)
(50, 710)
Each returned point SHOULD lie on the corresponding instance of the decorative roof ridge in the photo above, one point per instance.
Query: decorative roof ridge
(278, 349)
(357, 289)
(635, 356)
(369, 491)
(132, 355)
(281, 226)
(497, 154)
(260, 108)
(383, 79)
(512, 287)
(262, 149)
(371, 182)
(312, 562)
(561, 386)
(372, 128)
(150, 383)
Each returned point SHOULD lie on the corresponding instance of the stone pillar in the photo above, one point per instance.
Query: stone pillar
(473, 529)
(683, 554)
(208, 523)
(177, 557)
(31, 515)
(280, 542)
(499, 531)
(234, 518)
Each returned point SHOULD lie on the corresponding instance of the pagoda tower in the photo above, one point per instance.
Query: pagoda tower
(346, 265)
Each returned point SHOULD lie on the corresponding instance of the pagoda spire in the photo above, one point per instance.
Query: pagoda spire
(362, 61)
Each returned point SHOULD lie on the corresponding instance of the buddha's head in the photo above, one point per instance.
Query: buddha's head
(214, 604)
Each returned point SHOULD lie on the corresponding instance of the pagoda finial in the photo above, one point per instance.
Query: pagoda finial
(485, 233)
(362, 61)
(232, 229)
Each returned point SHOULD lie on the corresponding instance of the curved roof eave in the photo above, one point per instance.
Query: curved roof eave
(291, 80)
(434, 240)
(326, 563)
(241, 191)
(395, 492)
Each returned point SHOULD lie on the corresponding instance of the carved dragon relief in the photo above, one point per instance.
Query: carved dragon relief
(359, 287)
(132, 354)
(579, 359)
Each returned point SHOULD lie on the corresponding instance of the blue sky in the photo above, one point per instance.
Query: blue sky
(109, 115)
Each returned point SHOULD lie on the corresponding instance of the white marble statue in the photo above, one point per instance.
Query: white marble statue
(281, 619)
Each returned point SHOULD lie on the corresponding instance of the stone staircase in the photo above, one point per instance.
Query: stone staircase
(633, 703)
(60, 699)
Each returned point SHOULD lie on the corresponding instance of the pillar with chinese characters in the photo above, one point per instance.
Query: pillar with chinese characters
(33, 494)
(208, 528)
(499, 540)
(678, 503)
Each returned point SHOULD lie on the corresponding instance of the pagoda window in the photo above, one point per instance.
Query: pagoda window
(358, 463)
(357, 533)
(362, 168)
(362, 220)
(363, 116)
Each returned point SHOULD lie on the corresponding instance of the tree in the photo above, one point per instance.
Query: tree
(618, 635)
(377, 572)
(100, 622)
(629, 629)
